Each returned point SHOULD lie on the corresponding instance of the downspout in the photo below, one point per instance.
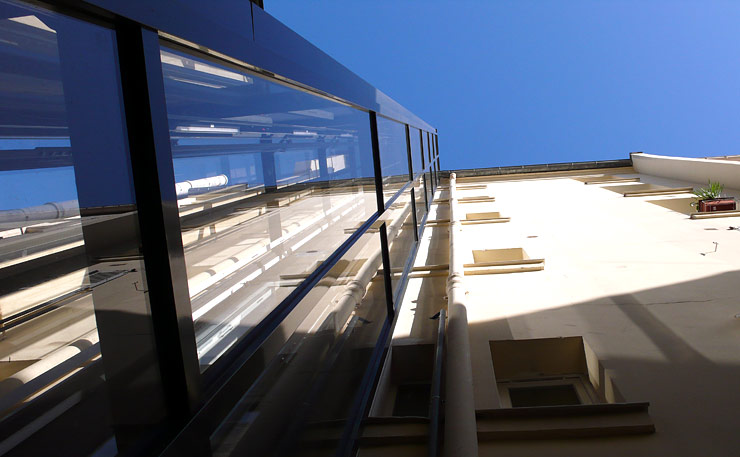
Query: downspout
(461, 434)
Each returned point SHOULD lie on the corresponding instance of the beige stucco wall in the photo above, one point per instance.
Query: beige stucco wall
(639, 282)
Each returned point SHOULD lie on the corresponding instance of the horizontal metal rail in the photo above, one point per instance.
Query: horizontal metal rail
(50, 305)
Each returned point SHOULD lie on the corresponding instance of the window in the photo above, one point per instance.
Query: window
(268, 179)
(548, 372)
(77, 349)
(394, 162)
(556, 388)
(416, 154)
(562, 391)
(412, 400)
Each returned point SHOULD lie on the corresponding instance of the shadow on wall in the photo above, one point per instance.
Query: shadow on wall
(644, 341)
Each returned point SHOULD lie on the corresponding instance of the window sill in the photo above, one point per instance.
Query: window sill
(558, 422)
(713, 214)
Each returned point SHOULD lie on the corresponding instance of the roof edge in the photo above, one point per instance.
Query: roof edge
(539, 168)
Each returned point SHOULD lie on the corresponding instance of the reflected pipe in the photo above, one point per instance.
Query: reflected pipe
(357, 287)
(47, 211)
(71, 208)
(461, 434)
(183, 188)
(50, 368)
(282, 395)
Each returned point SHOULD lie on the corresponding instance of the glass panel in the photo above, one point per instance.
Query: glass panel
(394, 162)
(270, 181)
(415, 150)
(436, 174)
(423, 144)
(77, 361)
(307, 385)
(400, 228)
(428, 147)
(428, 183)
(420, 196)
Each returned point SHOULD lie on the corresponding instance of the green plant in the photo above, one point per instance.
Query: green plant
(707, 193)
(712, 191)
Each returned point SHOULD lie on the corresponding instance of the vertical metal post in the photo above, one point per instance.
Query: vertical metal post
(387, 273)
(154, 184)
(408, 153)
(376, 162)
(411, 177)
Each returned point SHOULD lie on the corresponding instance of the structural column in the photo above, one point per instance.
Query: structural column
(461, 436)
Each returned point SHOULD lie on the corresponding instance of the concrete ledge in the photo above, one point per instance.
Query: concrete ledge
(715, 214)
(609, 181)
(498, 271)
(437, 222)
(376, 431)
(689, 169)
(557, 422)
(667, 191)
(478, 199)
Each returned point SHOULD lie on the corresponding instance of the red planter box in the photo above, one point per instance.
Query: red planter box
(717, 204)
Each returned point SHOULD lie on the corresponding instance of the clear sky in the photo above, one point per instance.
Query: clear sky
(524, 82)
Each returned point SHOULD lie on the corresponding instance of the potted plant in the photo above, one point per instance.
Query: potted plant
(710, 199)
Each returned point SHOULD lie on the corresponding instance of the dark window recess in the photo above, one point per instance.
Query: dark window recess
(412, 400)
(543, 396)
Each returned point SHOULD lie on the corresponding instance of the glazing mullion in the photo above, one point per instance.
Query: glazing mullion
(154, 184)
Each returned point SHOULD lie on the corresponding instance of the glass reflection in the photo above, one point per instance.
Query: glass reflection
(76, 339)
(420, 199)
(416, 155)
(270, 181)
(317, 369)
(400, 228)
(394, 164)
(428, 147)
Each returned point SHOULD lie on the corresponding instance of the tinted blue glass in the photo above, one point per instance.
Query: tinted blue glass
(428, 147)
(415, 150)
(394, 162)
(429, 184)
(270, 181)
(420, 198)
(313, 368)
(400, 228)
(75, 330)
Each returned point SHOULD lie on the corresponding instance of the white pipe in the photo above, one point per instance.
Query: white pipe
(461, 435)
(184, 187)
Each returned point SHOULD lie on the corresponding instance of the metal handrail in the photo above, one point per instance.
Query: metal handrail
(435, 405)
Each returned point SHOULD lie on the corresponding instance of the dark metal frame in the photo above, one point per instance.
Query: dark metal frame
(154, 185)
(195, 401)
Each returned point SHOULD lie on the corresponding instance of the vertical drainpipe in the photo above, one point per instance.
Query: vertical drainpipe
(461, 435)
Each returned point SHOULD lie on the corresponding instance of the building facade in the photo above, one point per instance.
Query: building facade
(597, 314)
(206, 226)
(216, 240)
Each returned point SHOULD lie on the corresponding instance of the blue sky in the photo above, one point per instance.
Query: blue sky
(523, 82)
